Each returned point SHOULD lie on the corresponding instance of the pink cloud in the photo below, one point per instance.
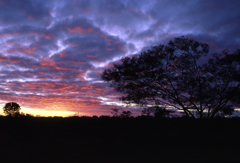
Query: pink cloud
(91, 56)
(79, 30)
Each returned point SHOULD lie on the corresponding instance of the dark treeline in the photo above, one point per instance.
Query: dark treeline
(115, 139)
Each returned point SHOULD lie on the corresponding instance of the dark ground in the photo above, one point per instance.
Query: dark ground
(105, 139)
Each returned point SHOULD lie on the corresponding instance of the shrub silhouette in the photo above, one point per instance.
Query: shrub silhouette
(158, 112)
(125, 114)
(116, 112)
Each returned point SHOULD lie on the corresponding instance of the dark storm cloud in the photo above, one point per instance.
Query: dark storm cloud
(52, 52)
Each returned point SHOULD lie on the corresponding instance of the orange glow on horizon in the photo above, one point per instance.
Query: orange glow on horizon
(46, 113)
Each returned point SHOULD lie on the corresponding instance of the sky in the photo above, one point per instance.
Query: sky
(52, 52)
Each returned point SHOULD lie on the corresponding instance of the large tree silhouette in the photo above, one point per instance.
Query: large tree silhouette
(11, 109)
(177, 75)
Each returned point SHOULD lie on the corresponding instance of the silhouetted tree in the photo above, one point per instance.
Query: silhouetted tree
(159, 112)
(148, 111)
(76, 114)
(126, 114)
(11, 109)
(21, 114)
(176, 75)
(116, 112)
(162, 112)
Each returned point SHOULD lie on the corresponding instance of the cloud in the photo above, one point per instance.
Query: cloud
(22, 12)
(52, 52)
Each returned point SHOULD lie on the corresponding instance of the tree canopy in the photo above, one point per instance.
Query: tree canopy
(182, 75)
(116, 112)
(158, 112)
(11, 109)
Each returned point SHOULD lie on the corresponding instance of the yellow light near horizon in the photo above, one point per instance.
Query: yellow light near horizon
(45, 113)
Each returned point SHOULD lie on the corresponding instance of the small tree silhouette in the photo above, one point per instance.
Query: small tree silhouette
(158, 112)
(148, 111)
(162, 112)
(116, 111)
(11, 109)
(125, 114)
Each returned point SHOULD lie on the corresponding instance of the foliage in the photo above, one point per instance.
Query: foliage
(77, 114)
(21, 114)
(125, 114)
(158, 112)
(12, 109)
(177, 75)
(116, 112)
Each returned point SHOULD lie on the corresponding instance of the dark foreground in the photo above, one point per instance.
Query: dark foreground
(106, 139)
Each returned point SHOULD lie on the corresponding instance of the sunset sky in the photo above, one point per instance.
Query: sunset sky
(52, 52)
